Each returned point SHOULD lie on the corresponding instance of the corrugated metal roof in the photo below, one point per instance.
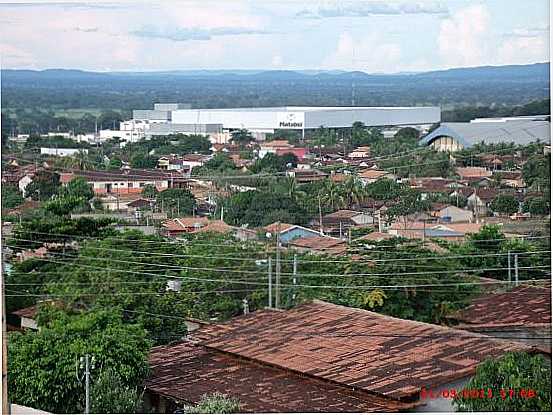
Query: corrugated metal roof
(469, 134)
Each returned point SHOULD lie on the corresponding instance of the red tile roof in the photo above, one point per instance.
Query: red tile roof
(320, 244)
(28, 312)
(185, 372)
(275, 227)
(217, 226)
(524, 306)
(354, 347)
(184, 224)
(473, 172)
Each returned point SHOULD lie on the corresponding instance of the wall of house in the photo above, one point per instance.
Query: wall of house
(446, 143)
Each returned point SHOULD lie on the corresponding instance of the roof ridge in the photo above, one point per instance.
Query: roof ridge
(418, 323)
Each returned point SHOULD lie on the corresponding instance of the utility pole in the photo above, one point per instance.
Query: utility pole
(86, 363)
(5, 403)
(277, 268)
(320, 217)
(222, 212)
(295, 279)
(270, 284)
(509, 266)
(516, 270)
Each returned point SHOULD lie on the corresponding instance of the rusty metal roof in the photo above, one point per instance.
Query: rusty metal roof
(355, 347)
(185, 372)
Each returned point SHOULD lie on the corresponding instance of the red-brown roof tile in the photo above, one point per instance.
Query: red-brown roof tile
(354, 347)
(524, 306)
(185, 372)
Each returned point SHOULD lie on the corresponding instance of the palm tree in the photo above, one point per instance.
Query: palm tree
(292, 190)
(353, 191)
(331, 195)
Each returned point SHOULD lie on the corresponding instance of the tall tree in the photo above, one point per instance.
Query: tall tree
(528, 376)
(42, 364)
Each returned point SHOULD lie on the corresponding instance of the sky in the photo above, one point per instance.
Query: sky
(370, 36)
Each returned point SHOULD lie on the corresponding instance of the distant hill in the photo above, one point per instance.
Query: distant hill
(69, 88)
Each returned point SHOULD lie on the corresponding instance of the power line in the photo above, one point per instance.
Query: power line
(242, 243)
(185, 268)
(441, 258)
(306, 286)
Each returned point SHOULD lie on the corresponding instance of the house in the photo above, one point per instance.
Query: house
(512, 179)
(185, 163)
(466, 173)
(215, 226)
(288, 232)
(360, 152)
(340, 221)
(422, 230)
(280, 147)
(124, 202)
(260, 388)
(480, 200)
(363, 350)
(319, 245)
(522, 314)
(27, 317)
(126, 180)
(179, 226)
(307, 175)
(452, 214)
(371, 175)
(375, 237)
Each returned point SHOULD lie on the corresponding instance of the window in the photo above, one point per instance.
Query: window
(141, 184)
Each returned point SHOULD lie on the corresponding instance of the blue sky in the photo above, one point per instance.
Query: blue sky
(371, 36)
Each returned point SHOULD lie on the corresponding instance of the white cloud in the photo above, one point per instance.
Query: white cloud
(370, 54)
(463, 37)
(369, 8)
(524, 49)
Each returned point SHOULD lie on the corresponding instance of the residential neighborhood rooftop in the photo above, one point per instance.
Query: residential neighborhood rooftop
(186, 372)
(355, 347)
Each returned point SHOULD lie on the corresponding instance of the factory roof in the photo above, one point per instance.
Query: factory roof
(469, 134)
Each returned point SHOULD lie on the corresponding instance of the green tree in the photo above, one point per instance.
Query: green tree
(143, 161)
(517, 371)
(115, 163)
(149, 191)
(332, 196)
(110, 395)
(536, 206)
(216, 403)
(536, 172)
(179, 201)
(506, 204)
(241, 136)
(11, 197)
(353, 191)
(44, 185)
(78, 187)
(42, 364)
(260, 208)
(64, 205)
(219, 163)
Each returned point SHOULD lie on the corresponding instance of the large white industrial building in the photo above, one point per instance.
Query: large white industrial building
(307, 118)
(219, 123)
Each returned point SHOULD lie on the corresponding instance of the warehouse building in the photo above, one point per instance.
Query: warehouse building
(218, 124)
(454, 136)
(261, 121)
